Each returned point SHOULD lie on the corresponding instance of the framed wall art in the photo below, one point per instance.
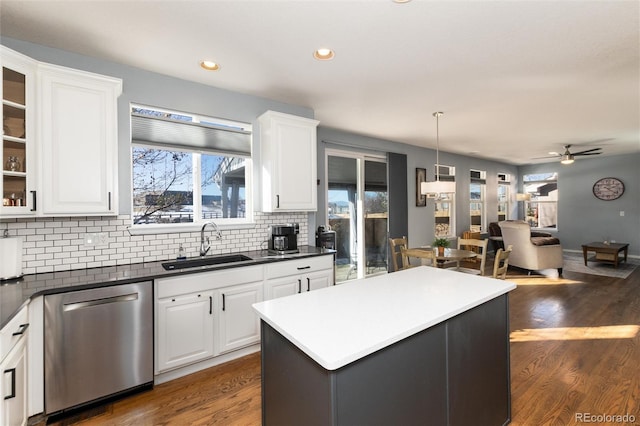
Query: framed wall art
(421, 176)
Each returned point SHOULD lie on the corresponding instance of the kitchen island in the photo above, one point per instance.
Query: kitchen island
(419, 346)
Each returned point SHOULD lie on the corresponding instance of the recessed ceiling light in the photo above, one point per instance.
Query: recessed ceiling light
(209, 65)
(323, 54)
(401, 1)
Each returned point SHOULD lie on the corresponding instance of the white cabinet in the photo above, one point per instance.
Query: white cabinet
(60, 143)
(186, 334)
(18, 178)
(288, 162)
(201, 315)
(78, 140)
(239, 325)
(13, 366)
(298, 276)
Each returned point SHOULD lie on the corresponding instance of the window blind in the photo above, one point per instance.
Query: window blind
(188, 135)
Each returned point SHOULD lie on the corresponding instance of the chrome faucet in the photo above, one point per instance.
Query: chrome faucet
(205, 243)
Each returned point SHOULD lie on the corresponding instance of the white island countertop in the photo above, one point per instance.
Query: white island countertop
(341, 324)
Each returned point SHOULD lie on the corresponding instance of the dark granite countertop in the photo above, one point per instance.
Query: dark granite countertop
(15, 294)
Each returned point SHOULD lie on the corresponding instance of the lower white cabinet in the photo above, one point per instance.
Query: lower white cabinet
(14, 386)
(13, 366)
(201, 315)
(239, 325)
(185, 330)
(298, 276)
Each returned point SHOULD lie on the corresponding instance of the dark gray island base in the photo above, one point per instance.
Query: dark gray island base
(453, 373)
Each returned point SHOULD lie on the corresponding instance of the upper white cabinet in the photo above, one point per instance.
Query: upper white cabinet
(288, 162)
(18, 177)
(59, 140)
(79, 143)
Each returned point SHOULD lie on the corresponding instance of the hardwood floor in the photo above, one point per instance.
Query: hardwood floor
(575, 352)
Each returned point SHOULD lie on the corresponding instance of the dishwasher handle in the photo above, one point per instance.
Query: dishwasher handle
(95, 302)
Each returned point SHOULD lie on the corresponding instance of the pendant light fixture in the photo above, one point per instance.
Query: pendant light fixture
(437, 187)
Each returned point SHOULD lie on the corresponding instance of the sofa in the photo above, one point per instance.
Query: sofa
(534, 251)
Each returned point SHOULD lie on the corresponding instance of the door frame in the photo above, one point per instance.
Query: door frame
(360, 158)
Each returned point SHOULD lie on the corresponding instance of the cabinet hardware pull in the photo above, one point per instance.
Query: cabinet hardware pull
(300, 268)
(210, 305)
(11, 371)
(21, 330)
(33, 195)
(277, 201)
(109, 201)
(308, 284)
(223, 302)
(299, 285)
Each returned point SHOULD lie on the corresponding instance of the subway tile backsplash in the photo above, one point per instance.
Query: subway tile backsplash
(58, 244)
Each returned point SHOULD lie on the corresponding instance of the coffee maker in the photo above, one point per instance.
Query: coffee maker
(326, 238)
(283, 239)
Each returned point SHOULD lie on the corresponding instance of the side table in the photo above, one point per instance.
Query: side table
(606, 252)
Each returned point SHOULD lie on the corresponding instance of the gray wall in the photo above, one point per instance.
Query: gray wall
(582, 217)
(421, 223)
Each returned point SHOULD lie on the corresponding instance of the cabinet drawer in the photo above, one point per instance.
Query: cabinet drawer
(299, 266)
(12, 332)
(191, 283)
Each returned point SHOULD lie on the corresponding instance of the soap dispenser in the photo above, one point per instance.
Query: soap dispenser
(181, 253)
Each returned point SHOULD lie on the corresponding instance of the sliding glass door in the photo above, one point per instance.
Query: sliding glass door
(357, 210)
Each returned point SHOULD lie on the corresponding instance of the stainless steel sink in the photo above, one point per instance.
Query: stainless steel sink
(205, 261)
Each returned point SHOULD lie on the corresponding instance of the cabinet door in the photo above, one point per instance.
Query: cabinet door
(280, 287)
(318, 279)
(184, 330)
(17, 151)
(289, 162)
(239, 324)
(78, 142)
(13, 387)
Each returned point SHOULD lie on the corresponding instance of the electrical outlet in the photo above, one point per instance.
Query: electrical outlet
(621, 212)
(93, 239)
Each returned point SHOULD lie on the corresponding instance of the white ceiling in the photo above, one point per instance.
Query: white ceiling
(515, 79)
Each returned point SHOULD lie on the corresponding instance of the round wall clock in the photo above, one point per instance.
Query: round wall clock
(608, 188)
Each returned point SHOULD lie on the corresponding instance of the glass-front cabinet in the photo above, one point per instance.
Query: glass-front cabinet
(17, 179)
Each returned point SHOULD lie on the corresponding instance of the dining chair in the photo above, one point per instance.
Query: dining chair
(501, 263)
(480, 247)
(428, 254)
(396, 245)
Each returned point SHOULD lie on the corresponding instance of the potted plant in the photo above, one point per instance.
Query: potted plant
(441, 243)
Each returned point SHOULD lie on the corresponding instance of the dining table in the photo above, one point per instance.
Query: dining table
(449, 255)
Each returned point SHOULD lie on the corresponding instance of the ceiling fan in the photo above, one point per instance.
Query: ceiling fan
(568, 157)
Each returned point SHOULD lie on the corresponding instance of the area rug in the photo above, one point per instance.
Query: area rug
(574, 262)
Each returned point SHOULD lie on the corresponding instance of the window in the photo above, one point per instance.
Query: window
(444, 213)
(477, 187)
(504, 181)
(542, 210)
(188, 169)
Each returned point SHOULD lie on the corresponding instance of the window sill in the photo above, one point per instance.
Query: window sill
(175, 228)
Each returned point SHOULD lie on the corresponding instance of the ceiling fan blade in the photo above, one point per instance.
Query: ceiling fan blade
(546, 157)
(586, 151)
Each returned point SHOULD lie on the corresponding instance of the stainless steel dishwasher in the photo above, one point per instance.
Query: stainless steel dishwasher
(98, 343)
